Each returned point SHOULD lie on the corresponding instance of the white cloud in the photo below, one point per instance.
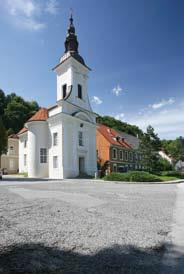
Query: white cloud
(96, 100)
(24, 7)
(120, 116)
(26, 14)
(163, 103)
(51, 6)
(117, 90)
(168, 123)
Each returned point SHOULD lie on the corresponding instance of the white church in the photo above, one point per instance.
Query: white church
(60, 142)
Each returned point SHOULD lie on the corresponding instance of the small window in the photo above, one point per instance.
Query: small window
(114, 153)
(43, 155)
(131, 156)
(80, 91)
(121, 155)
(126, 155)
(55, 161)
(11, 150)
(136, 158)
(25, 160)
(55, 139)
(25, 143)
(64, 90)
(81, 139)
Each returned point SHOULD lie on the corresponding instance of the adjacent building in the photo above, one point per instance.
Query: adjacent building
(10, 160)
(60, 142)
(114, 152)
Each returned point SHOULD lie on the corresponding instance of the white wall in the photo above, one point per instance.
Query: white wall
(71, 72)
(22, 151)
(68, 149)
(56, 126)
(55, 111)
(92, 159)
(38, 137)
(64, 76)
(72, 151)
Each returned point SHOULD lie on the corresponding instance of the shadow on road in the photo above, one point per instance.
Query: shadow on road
(25, 179)
(37, 258)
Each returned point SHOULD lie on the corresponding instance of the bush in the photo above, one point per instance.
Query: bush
(115, 176)
(133, 176)
(174, 173)
(141, 176)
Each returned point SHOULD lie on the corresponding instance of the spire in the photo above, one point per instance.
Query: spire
(71, 43)
(71, 22)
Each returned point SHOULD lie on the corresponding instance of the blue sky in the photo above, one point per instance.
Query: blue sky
(135, 49)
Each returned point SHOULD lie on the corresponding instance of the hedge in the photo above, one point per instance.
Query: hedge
(133, 176)
(173, 173)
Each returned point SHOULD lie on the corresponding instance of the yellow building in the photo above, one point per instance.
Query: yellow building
(10, 160)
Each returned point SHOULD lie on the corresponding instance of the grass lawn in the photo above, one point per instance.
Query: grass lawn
(25, 174)
(168, 178)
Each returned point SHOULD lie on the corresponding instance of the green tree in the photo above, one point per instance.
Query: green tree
(163, 165)
(150, 146)
(119, 125)
(174, 148)
(179, 149)
(17, 112)
(2, 102)
(3, 139)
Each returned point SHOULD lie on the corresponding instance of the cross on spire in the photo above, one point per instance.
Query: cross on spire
(71, 16)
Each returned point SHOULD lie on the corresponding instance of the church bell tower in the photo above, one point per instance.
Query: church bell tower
(72, 74)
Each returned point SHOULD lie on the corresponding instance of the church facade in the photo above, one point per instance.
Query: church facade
(60, 142)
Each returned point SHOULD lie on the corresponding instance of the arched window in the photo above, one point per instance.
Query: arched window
(79, 91)
(64, 90)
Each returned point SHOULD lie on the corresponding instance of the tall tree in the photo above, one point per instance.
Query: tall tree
(150, 146)
(174, 148)
(17, 112)
(2, 102)
(3, 139)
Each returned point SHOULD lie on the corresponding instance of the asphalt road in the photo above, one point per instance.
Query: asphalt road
(87, 227)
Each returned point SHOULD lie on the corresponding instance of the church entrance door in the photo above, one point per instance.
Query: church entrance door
(81, 165)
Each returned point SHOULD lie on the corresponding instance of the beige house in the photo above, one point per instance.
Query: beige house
(10, 160)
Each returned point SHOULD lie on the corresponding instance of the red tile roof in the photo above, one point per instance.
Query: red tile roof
(23, 130)
(41, 115)
(111, 135)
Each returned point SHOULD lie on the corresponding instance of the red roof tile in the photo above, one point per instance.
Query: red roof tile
(23, 130)
(41, 115)
(111, 135)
